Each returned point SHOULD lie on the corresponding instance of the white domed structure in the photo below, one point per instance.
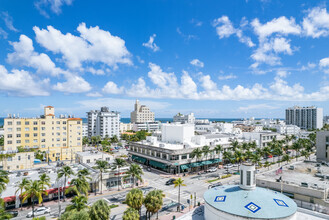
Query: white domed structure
(247, 201)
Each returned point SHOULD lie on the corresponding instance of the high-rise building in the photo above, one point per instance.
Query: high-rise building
(60, 137)
(305, 117)
(184, 119)
(104, 123)
(141, 114)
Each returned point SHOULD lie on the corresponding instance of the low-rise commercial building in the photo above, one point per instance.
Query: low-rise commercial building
(262, 138)
(147, 126)
(125, 127)
(17, 161)
(90, 157)
(184, 119)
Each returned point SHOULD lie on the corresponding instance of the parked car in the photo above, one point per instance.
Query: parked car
(215, 185)
(13, 213)
(291, 167)
(212, 169)
(170, 181)
(269, 156)
(303, 184)
(228, 166)
(39, 211)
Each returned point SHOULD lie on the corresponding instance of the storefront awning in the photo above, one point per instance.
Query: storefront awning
(184, 166)
(158, 164)
(216, 160)
(206, 162)
(196, 164)
(138, 159)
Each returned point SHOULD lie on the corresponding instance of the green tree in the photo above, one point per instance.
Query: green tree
(100, 210)
(85, 140)
(296, 146)
(256, 158)
(4, 180)
(3, 214)
(101, 165)
(235, 145)
(79, 185)
(178, 183)
(286, 158)
(153, 202)
(118, 163)
(34, 190)
(44, 180)
(65, 172)
(22, 186)
(206, 151)
(279, 152)
(114, 139)
(196, 153)
(218, 150)
(78, 203)
(135, 199)
(134, 172)
(130, 214)
(2, 140)
(267, 164)
(74, 215)
(267, 152)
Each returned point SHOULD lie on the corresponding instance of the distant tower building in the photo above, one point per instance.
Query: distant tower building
(184, 119)
(104, 123)
(141, 114)
(305, 117)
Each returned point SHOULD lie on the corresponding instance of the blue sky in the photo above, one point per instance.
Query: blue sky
(219, 59)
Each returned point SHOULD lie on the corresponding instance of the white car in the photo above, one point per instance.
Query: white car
(228, 166)
(212, 169)
(39, 211)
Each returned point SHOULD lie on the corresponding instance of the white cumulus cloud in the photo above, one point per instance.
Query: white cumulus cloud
(197, 62)
(151, 44)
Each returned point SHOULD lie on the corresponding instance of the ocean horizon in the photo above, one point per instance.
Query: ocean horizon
(163, 120)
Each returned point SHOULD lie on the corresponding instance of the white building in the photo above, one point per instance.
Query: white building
(84, 130)
(125, 127)
(177, 133)
(104, 123)
(262, 138)
(286, 129)
(147, 126)
(305, 117)
(90, 157)
(184, 119)
(141, 114)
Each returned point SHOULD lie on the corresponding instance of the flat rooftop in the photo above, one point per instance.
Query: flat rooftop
(302, 172)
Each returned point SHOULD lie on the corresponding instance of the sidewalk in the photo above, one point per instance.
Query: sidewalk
(176, 214)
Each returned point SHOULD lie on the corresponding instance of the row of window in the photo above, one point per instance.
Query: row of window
(36, 123)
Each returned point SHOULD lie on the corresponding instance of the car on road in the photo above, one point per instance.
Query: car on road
(13, 213)
(269, 156)
(39, 211)
(215, 185)
(170, 181)
(212, 169)
(228, 166)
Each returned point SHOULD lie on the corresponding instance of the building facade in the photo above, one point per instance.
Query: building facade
(141, 114)
(184, 119)
(322, 145)
(104, 123)
(147, 126)
(305, 117)
(125, 127)
(60, 137)
(18, 161)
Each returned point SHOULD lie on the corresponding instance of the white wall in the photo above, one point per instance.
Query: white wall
(177, 133)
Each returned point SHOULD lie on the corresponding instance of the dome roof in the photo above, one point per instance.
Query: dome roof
(257, 203)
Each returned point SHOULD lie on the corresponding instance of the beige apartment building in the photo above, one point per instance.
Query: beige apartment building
(60, 137)
(141, 114)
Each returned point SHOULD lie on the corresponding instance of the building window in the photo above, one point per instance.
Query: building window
(27, 129)
(43, 140)
(27, 123)
(9, 142)
(18, 129)
(43, 122)
(35, 123)
(43, 134)
(64, 122)
(18, 141)
(248, 178)
(88, 161)
(9, 136)
(35, 140)
(184, 156)
(241, 177)
(28, 157)
(19, 157)
(35, 135)
(27, 135)
(10, 123)
(27, 141)
(18, 123)
(35, 128)
(9, 159)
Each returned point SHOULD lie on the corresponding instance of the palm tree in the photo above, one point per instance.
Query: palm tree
(78, 203)
(238, 155)
(134, 172)
(266, 152)
(235, 145)
(179, 182)
(278, 151)
(248, 155)
(267, 164)
(101, 165)
(253, 145)
(65, 171)
(130, 214)
(22, 186)
(206, 151)
(100, 210)
(118, 163)
(135, 199)
(196, 153)
(218, 150)
(286, 158)
(79, 185)
(153, 202)
(4, 180)
(297, 146)
(256, 158)
(34, 189)
(44, 181)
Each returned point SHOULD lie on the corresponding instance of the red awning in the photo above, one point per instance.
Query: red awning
(9, 199)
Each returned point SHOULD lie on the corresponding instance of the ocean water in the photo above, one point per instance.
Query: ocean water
(163, 120)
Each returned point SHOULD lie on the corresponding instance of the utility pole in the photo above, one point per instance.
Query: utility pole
(59, 198)
(48, 155)
(194, 199)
